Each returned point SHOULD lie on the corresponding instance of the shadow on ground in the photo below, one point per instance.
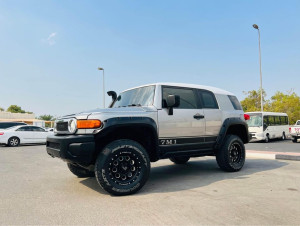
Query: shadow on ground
(194, 174)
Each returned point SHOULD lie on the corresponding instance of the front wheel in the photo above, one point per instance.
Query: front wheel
(123, 167)
(13, 142)
(283, 136)
(267, 139)
(231, 156)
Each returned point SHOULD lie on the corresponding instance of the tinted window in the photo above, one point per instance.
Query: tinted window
(235, 102)
(209, 100)
(187, 97)
(24, 128)
(37, 129)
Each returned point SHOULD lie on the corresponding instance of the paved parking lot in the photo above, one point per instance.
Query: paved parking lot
(37, 189)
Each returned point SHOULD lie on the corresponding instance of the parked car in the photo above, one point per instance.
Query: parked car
(295, 131)
(5, 125)
(27, 134)
(148, 123)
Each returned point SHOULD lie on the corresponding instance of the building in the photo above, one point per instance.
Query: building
(21, 117)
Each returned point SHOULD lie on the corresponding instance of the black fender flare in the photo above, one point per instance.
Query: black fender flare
(111, 124)
(224, 129)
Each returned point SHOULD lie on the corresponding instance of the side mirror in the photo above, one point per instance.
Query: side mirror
(172, 101)
(113, 95)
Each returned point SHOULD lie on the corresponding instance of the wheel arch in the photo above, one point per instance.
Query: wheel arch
(234, 126)
(140, 129)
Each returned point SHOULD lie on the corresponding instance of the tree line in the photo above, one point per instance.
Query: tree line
(280, 102)
(18, 109)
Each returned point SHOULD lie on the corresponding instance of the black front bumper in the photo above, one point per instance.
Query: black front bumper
(78, 149)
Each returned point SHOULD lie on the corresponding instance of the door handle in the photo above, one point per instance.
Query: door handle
(198, 116)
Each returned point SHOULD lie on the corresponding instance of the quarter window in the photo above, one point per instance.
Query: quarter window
(209, 100)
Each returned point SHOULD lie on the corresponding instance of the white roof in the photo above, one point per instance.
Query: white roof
(210, 88)
(267, 113)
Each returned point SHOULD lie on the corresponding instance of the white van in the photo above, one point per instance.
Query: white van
(268, 125)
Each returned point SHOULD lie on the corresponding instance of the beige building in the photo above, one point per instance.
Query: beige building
(21, 117)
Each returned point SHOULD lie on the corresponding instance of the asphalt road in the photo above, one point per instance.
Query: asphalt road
(37, 189)
(274, 146)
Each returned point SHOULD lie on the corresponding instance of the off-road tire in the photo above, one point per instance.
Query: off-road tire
(231, 156)
(294, 139)
(79, 171)
(13, 142)
(180, 160)
(122, 167)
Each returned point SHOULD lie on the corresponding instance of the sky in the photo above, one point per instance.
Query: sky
(50, 50)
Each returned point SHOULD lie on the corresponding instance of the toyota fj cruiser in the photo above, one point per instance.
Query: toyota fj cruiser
(148, 123)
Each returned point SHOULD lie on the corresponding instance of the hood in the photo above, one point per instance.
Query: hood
(113, 111)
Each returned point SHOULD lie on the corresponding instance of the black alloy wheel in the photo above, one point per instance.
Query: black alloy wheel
(231, 156)
(122, 167)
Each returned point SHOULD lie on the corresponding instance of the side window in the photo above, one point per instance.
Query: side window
(188, 99)
(271, 120)
(24, 128)
(266, 123)
(37, 129)
(235, 102)
(208, 100)
(277, 120)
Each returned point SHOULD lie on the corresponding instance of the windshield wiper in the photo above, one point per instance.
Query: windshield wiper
(134, 105)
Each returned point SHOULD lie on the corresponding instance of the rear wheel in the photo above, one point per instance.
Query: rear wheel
(79, 171)
(180, 160)
(294, 140)
(231, 156)
(13, 142)
(123, 167)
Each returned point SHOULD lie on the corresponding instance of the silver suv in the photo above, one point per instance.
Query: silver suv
(148, 123)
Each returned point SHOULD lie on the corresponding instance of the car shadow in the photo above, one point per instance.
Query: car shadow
(196, 173)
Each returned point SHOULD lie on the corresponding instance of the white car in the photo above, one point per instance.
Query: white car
(16, 135)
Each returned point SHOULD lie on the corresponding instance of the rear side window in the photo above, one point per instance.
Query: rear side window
(188, 99)
(208, 100)
(235, 102)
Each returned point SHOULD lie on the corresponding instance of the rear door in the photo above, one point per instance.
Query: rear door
(212, 113)
(25, 134)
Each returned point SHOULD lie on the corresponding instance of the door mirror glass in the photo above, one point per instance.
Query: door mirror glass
(173, 101)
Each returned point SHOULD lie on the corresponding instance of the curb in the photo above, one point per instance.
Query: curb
(273, 155)
(288, 157)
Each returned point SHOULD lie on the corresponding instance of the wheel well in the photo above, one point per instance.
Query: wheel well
(240, 131)
(144, 135)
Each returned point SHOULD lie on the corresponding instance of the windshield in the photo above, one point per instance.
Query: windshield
(136, 97)
(255, 120)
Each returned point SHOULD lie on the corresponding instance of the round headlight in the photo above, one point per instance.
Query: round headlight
(72, 126)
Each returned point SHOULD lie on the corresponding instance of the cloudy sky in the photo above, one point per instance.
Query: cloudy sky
(50, 50)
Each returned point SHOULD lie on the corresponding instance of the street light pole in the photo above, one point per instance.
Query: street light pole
(102, 69)
(261, 90)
